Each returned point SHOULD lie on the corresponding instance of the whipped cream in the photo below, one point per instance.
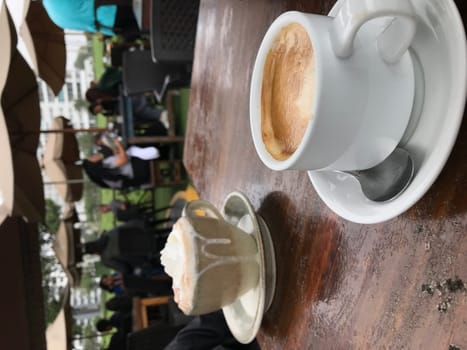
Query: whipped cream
(172, 256)
(179, 263)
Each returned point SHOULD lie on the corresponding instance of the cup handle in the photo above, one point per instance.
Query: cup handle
(392, 42)
(191, 207)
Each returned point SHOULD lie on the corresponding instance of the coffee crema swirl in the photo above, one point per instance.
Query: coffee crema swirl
(287, 93)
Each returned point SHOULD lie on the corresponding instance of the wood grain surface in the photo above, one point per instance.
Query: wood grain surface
(340, 285)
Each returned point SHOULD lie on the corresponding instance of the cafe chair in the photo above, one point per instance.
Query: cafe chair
(141, 75)
(173, 30)
(117, 49)
(168, 172)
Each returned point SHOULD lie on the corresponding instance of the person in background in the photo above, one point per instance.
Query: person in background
(103, 96)
(129, 248)
(82, 15)
(124, 168)
(119, 320)
(149, 282)
(123, 211)
(126, 211)
(122, 303)
(106, 107)
(122, 322)
(117, 341)
(113, 283)
(206, 332)
(143, 112)
(109, 81)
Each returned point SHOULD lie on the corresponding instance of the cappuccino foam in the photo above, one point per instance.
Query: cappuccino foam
(287, 93)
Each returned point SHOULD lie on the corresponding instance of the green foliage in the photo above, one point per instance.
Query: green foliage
(79, 104)
(91, 196)
(49, 263)
(52, 215)
(51, 311)
(101, 269)
(76, 329)
(86, 281)
(86, 143)
(90, 343)
(97, 51)
(84, 52)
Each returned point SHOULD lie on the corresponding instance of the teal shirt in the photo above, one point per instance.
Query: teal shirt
(79, 15)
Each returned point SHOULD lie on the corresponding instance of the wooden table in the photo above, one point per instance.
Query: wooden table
(340, 285)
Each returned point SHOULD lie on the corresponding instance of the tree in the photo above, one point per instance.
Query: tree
(80, 104)
(49, 263)
(52, 215)
(84, 52)
(86, 143)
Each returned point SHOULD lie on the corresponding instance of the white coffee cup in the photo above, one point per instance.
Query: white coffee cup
(363, 83)
(218, 263)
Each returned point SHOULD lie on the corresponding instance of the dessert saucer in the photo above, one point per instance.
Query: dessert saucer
(439, 54)
(244, 316)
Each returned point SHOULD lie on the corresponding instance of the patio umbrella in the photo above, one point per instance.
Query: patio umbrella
(58, 334)
(67, 246)
(60, 155)
(29, 188)
(6, 175)
(49, 45)
(21, 298)
(18, 10)
(20, 105)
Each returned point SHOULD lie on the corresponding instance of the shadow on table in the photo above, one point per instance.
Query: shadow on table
(308, 262)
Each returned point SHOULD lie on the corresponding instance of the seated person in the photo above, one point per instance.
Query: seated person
(95, 94)
(119, 320)
(108, 108)
(130, 248)
(123, 211)
(104, 102)
(112, 283)
(122, 303)
(123, 323)
(107, 173)
(153, 281)
(81, 15)
(109, 81)
(103, 96)
(117, 341)
(123, 169)
(142, 111)
(206, 332)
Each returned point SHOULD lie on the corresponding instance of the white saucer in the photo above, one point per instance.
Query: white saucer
(244, 316)
(440, 48)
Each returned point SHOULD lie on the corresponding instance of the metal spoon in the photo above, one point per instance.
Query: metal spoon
(388, 179)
